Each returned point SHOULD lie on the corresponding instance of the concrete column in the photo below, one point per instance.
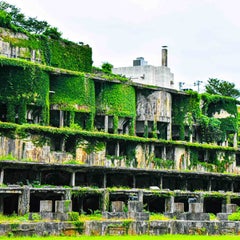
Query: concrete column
(161, 182)
(235, 140)
(164, 153)
(104, 180)
(134, 181)
(145, 128)
(1, 204)
(24, 201)
(140, 196)
(73, 177)
(117, 149)
(67, 195)
(105, 202)
(61, 118)
(1, 176)
(106, 123)
(169, 204)
(169, 131)
(210, 185)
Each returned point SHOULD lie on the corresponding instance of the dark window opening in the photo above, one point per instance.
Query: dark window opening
(175, 132)
(58, 178)
(99, 122)
(154, 204)
(201, 155)
(57, 143)
(3, 112)
(110, 149)
(55, 118)
(89, 179)
(119, 180)
(20, 177)
(238, 160)
(87, 204)
(213, 205)
(194, 184)
(140, 128)
(10, 204)
(81, 119)
(162, 130)
(34, 114)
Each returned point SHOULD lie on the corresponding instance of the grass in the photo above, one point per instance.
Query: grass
(142, 237)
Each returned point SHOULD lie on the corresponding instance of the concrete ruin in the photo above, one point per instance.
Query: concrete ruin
(123, 148)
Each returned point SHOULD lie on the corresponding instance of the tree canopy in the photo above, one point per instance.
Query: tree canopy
(11, 17)
(221, 87)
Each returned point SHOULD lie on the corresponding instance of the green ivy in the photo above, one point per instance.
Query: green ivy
(117, 99)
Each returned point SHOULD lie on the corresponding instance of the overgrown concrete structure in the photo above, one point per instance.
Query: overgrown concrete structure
(70, 132)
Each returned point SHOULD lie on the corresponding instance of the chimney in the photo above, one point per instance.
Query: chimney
(164, 56)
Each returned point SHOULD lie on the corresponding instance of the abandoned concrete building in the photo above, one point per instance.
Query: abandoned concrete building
(72, 132)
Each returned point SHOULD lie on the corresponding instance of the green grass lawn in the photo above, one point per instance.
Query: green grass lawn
(145, 237)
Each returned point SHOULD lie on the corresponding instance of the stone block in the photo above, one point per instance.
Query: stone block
(117, 206)
(178, 207)
(195, 207)
(63, 206)
(47, 215)
(194, 216)
(109, 215)
(139, 216)
(135, 206)
(46, 206)
(61, 216)
(223, 216)
(231, 208)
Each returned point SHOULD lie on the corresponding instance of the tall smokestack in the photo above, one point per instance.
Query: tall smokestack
(164, 56)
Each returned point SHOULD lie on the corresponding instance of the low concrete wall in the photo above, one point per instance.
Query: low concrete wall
(124, 227)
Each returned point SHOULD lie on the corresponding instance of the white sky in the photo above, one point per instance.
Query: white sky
(203, 36)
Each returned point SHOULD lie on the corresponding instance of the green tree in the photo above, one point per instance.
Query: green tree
(107, 67)
(221, 87)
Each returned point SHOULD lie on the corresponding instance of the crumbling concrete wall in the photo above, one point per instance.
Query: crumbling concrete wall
(11, 51)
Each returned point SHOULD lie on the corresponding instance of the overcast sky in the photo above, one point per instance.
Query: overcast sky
(203, 36)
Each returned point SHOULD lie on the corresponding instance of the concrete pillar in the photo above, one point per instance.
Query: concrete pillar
(161, 182)
(105, 202)
(169, 205)
(140, 196)
(24, 201)
(1, 204)
(67, 195)
(61, 118)
(117, 149)
(104, 180)
(106, 123)
(145, 128)
(169, 131)
(164, 153)
(134, 181)
(1, 176)
(210, 185)
(231, 208)
(73, 177)
(235, 140)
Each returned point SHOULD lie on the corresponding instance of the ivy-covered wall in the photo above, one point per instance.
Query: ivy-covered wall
(22, 87)
(73, 93)
(67, 55)
(213, 104)
(117, 99)
(57, 53)
(185, 111)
